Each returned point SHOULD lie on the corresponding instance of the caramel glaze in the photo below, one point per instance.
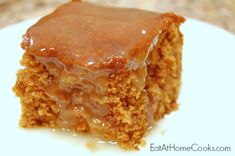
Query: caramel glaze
(81, 34)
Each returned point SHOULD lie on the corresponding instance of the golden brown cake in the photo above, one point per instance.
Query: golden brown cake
(110, 72)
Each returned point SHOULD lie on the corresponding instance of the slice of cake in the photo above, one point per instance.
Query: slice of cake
(110, 72)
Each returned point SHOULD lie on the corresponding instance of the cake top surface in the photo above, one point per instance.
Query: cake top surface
(89, 35)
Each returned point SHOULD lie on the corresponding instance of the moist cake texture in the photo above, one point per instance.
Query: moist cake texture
(110, 72)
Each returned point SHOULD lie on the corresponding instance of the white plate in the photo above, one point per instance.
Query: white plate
(207, 101)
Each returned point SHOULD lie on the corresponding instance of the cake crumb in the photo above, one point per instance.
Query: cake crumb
(142, 143)
(91, 145)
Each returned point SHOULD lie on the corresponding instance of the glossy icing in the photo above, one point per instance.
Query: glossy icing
(88, 35)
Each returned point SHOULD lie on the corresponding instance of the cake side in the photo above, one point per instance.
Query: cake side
(37, 108)
(164, 72)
